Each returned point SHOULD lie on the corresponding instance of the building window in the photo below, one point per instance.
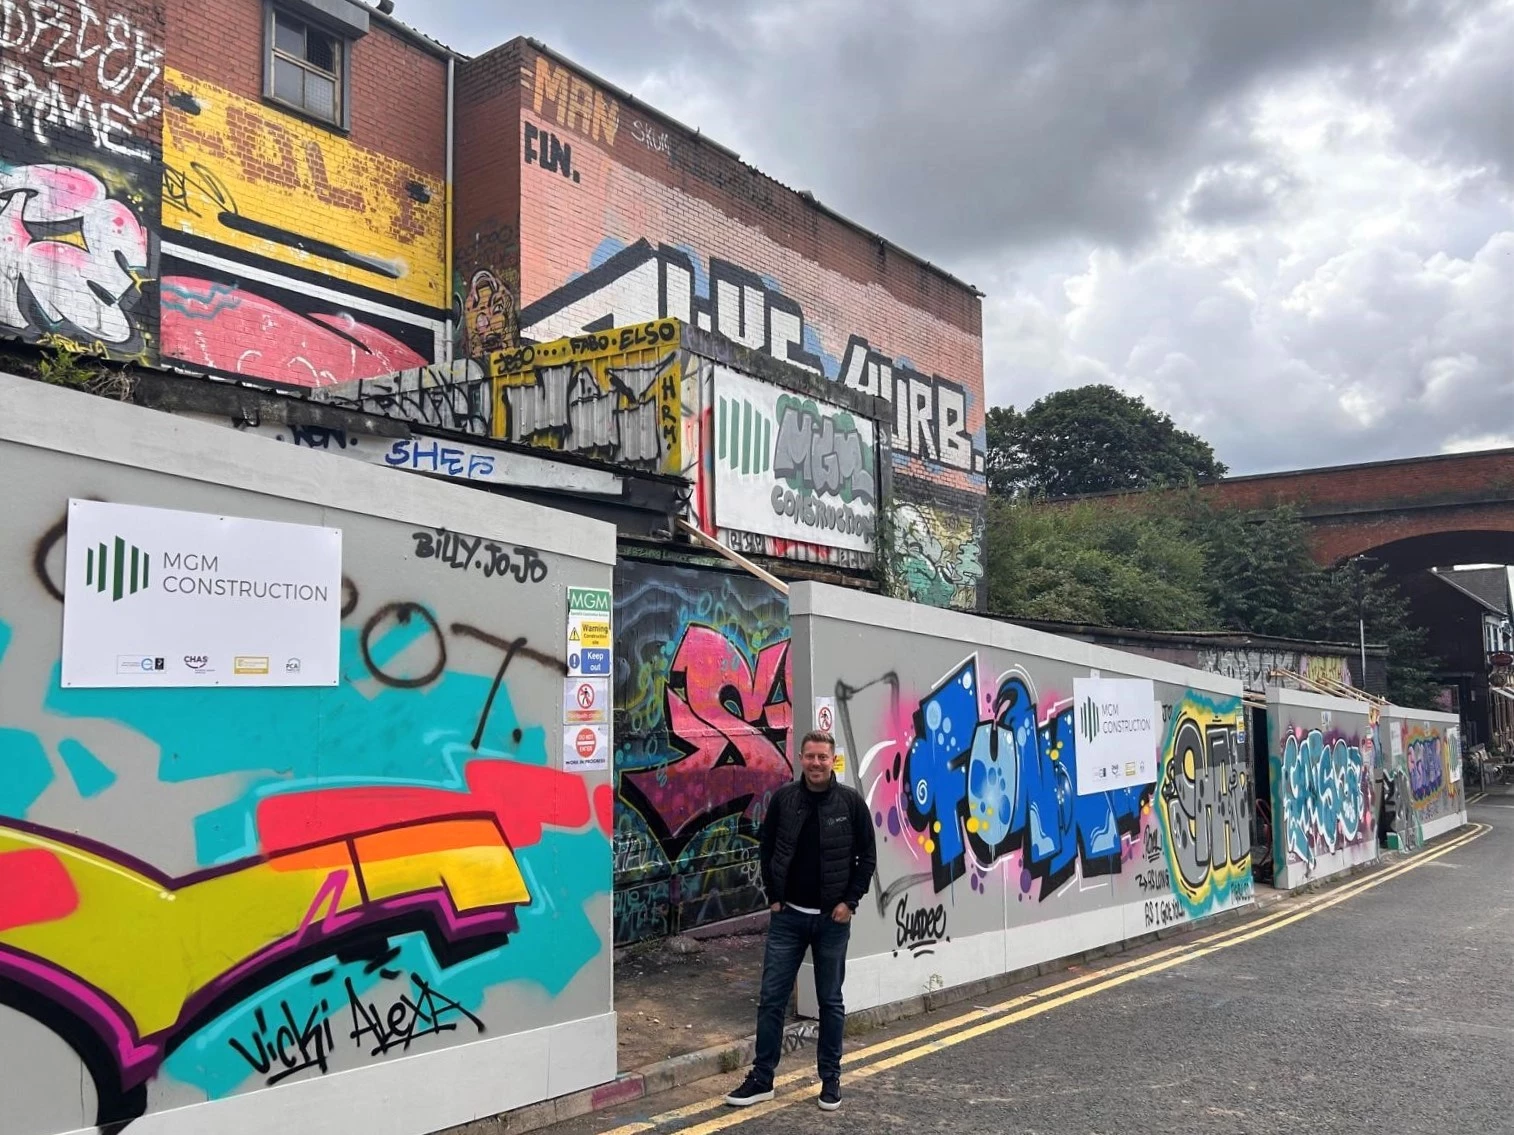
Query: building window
(306, 68)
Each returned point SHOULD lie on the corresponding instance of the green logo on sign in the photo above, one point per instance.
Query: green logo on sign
(1090, 719)
(120, 566)
(589, 599)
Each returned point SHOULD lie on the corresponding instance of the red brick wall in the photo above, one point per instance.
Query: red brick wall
(624, 216)
(486, 227)
(297, 252)
(1424, 480)
(80, 121)
(398, 89)
(1356, 508)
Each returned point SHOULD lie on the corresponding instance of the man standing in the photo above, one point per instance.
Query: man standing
(817, 861)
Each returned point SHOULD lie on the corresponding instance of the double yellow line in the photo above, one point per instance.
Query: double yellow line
(981, 1021)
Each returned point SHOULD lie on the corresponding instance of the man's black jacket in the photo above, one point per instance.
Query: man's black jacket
(848, 852)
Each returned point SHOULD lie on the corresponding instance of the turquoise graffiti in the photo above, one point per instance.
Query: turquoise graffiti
(403, 726)
(1324, 787)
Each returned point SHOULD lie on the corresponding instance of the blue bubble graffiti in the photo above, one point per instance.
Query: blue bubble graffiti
(1008, 783)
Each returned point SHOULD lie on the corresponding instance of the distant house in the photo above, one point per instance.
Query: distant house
(1466, 615)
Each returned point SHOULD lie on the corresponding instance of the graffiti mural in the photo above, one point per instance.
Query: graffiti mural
(454, 396)
(1323, 786)
(962, 736)
(643, 220)
(616, 395)
(937, 555)
(789, 467)
(258, 181)
(989, 777)
(331, 876)
(1006, 784)
(80, 114)
(219, 322)
(74, 258)
(641, 283)
(1252, 666)
(702, 725)
(297, 256)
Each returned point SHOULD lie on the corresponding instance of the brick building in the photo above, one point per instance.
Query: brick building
(581, 208)
(376, 247)
(228, 187)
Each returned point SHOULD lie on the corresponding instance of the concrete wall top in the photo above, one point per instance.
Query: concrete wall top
(33, 413)
(1431, 716)
(872, 610)
(1303, 699)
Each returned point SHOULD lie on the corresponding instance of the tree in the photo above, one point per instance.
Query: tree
(1183, 565)
(1262, 579)
(1094, 562)
(1091, 439)
(1335, 599)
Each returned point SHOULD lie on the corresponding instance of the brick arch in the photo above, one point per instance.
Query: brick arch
(1463, 503)
(1475, 534)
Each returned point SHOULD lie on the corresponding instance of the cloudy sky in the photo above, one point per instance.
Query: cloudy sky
(1287, 223)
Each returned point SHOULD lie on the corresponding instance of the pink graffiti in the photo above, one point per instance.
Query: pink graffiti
(70, 251)
(232, 329)
(731, 721)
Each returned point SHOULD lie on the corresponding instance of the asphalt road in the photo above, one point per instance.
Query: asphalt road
(1378, 1008)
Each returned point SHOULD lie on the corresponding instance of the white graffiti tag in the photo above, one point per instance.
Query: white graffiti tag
(69, 254)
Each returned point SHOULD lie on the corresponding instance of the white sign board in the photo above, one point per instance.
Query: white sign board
(825, 715)
(156, 597)
(1115, 725)
(585, 748)
(791, 466)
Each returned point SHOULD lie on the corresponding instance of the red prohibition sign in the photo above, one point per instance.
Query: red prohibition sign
(585, 695)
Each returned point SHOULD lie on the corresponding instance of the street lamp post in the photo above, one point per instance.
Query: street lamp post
(1359, 586)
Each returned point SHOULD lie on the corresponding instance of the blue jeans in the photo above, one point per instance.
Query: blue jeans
(790, 934)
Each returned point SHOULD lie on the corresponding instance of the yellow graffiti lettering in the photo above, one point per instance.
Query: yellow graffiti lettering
(254, 179)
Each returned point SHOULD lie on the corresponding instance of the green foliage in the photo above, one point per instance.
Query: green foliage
(1181, 565)
(1093, 562)
(63, 368)
(1091, 439)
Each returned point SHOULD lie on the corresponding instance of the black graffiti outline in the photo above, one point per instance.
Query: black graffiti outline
(402, 612)
(430, 1005)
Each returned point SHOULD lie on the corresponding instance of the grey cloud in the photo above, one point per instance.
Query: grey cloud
(1006, 122)
(1238, 192)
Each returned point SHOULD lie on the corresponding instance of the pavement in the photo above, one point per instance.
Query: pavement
(687, 1011)
(1380, 1000)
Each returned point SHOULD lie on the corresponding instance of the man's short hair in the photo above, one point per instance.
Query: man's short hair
(818, 735)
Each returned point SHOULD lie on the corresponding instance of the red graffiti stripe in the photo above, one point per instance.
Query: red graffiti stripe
(525, 798)
(34, 887)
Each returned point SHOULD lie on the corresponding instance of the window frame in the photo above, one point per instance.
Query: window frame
(342, 122)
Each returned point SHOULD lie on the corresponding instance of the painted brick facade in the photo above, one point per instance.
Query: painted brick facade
(80, 168)
(609, 215)
(294, 251)
(154, 205)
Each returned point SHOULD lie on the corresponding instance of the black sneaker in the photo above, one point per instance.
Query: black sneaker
(753, 1090)
(830, 1096)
